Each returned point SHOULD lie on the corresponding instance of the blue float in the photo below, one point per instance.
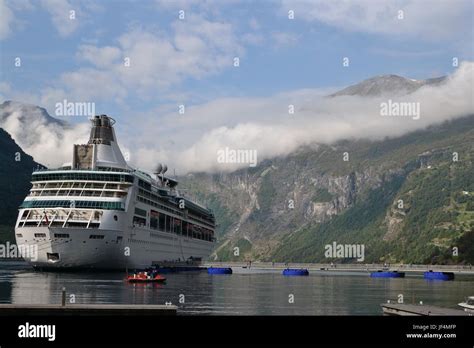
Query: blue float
(295, 272)
(219, 270)
(387, 274)
(439, 275)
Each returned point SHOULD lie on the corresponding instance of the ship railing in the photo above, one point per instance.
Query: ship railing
(121, 170)
(88, 193)
(78, 219)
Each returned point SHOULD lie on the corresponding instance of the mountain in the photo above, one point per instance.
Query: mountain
(22, 120)
(287, 209)
(27, 113)
(39, 134)
(404, 198)
(387, 85)
(15, 173)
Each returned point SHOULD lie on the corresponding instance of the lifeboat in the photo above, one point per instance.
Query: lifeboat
(145, 277)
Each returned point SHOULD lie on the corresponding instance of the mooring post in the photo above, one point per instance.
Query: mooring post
(63, 299)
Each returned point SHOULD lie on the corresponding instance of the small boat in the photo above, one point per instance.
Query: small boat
(468, 304)
(295, 272)
(439, 275)
(146, 277)
(219, 270)
(387, 274)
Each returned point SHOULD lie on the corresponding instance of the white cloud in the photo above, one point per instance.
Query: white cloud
(177, 4)
(434, 19)
(6, 20)
(190, 142)
(283, 39)
(100, 57)
(60, 11)
(49, 143)
(195, 49)
(253, 38)
(21, 5)
(92, 85)
(206, 5)
(4, 89)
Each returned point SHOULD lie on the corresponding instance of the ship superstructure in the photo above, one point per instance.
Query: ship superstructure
(98, 212)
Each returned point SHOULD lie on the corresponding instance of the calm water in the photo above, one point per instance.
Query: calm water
(263, 294)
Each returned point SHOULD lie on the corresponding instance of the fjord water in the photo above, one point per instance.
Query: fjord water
(321, 293)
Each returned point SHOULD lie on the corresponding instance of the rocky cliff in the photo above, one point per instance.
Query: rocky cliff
(408, 199)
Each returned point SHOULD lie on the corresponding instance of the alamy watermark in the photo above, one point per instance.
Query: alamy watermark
(14, 251)
(237, 156)
(345, 251)
(28, 330)
(67, 108)
(402, 109)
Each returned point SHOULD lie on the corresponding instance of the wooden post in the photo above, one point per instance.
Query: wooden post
(63, 299)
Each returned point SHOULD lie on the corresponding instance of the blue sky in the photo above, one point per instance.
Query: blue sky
(311, 57)
(190, 61)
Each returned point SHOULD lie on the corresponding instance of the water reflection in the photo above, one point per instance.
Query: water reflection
(241, 294)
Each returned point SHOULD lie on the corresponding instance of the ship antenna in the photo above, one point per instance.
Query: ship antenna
(165, 168)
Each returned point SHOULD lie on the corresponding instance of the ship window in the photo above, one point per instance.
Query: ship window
(139, 221)
(96, 236)
(162, 218)
(77, 204)
(40, 235)
(144, 184)
(83, 176)
(140, 212)
(61, 235)
(177, 226)
(153, 222)
(52, 256)
(19, 235)
(185, 228)
(115, 217)
(76, 224)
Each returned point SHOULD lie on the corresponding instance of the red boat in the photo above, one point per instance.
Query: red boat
(145, 277)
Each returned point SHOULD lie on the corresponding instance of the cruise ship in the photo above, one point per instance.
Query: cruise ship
(97, 212)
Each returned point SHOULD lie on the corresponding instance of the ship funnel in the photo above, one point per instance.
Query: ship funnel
(102, 150)
(102, 130)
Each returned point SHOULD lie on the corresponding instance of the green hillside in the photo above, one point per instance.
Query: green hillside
(15, 170)
(353, 202)
(437, 203)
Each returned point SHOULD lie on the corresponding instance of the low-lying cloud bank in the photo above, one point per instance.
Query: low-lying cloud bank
(265, 124)
(49, 141)
(191, 142)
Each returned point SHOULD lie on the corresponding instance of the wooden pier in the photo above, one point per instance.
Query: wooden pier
(400, 309)
(86, 310)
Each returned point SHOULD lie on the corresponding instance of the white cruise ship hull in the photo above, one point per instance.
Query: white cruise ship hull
(97, 212)
(135, 248)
